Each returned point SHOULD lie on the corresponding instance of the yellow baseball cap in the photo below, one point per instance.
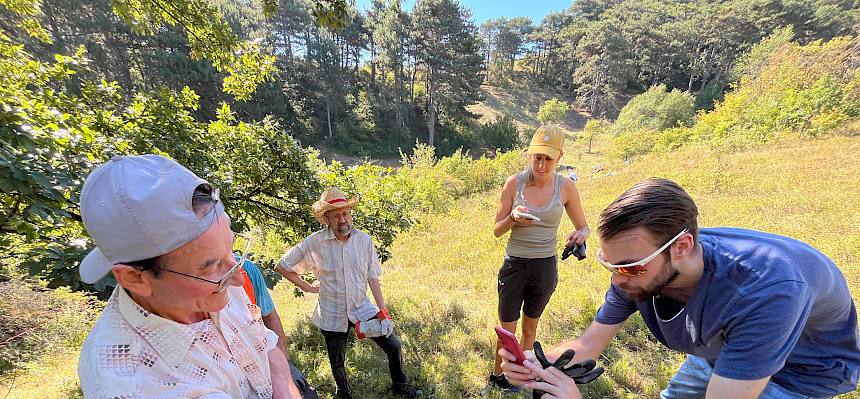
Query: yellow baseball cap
(547, 140)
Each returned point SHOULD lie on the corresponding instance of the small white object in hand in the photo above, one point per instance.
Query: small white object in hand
(524, 215)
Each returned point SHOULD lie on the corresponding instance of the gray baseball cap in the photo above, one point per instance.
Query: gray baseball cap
(137, 208)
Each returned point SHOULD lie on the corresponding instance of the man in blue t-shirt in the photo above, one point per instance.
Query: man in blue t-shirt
(759, 315)
(272, 321)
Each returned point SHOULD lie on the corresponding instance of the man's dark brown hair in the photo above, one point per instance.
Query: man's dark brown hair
(661, 206)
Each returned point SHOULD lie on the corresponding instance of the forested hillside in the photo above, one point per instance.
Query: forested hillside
(391, 75)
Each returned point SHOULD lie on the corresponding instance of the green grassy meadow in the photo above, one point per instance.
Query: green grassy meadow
(440, 283)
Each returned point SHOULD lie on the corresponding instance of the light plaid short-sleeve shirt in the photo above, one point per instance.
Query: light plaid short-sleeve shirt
(343, 269)
(132, 353)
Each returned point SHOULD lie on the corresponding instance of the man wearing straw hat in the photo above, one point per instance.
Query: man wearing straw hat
(345, 263)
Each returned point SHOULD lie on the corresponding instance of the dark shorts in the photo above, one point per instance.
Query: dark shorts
(526, 284)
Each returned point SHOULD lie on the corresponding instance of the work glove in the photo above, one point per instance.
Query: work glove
(574, 249)
(582, 372)
(374, 328)
(382, 314)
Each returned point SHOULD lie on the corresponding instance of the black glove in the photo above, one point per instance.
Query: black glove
(582, 372)
(577, 250)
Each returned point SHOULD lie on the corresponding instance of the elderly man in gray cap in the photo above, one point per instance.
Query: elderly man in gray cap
(178, 324)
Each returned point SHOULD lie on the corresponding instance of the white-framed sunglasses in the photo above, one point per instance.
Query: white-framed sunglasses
(636, 268)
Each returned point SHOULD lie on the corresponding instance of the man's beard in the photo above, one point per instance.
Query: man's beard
(661, 280)
(343, 229)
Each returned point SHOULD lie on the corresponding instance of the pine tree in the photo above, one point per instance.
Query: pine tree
(447, 45)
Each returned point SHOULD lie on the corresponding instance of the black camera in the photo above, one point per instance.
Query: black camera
(574, 249)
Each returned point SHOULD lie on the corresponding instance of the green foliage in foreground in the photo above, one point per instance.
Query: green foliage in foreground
(53, 137)
(55, 128)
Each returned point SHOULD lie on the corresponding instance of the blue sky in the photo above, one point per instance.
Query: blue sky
(483, 10)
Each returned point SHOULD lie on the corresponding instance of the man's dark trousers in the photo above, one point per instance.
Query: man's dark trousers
(335, 343)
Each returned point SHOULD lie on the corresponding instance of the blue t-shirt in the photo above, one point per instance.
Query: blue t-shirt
(766, 305)
(261, 292)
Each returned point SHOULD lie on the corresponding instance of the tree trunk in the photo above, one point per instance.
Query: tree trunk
(431, 120)
(412, 84)
(288, 42)
(328, 115)
(59, 40)
(123, 59)
(487, 68)
(431, 108)
(373, 86)
(398, 94)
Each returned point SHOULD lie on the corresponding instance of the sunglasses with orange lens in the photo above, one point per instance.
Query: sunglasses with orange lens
(636, 268)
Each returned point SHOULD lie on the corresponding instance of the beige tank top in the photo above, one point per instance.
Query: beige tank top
(536, 240)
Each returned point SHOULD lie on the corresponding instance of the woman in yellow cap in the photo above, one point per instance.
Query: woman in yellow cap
(531, 207)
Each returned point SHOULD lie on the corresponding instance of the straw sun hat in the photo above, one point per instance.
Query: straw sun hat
(331, 198)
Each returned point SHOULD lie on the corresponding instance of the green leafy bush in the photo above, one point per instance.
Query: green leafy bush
(656, 109)
(810, 91)
(789, 89)
(552, 111)
(671, 139)
(502, 134)
(646, 116)
(627, 145)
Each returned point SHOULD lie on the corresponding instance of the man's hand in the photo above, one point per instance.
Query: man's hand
(383, 314)
(553, 382)
(313, 288)
(298, 281)
(581, 373)
(515, 373)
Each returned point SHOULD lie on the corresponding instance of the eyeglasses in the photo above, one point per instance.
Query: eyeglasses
(636, 268)
(224, 281)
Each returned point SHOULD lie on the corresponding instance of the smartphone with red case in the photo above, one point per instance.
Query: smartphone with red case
(509, 342)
